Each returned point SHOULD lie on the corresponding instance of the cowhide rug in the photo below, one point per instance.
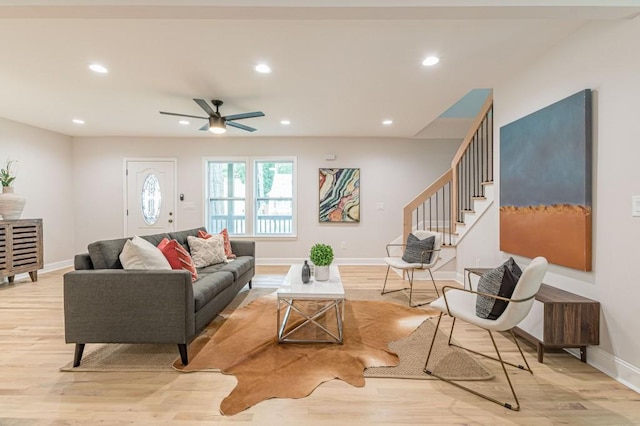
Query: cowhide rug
(246, 346)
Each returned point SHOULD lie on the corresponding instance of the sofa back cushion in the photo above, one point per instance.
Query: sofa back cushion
(181, 236)
(105, 254)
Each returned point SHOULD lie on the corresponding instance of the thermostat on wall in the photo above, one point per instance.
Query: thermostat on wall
(330, 157)
(635, 205)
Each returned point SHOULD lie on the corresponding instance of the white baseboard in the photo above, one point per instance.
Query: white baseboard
(438, 275)
(336, 261)
(612, 366)
(48, 267)
(55, 266)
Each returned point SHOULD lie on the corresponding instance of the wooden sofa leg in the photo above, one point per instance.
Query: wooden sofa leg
(78, 355)
(182, 347)
(250, 285)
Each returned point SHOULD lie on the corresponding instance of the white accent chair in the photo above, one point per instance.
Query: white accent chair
(460, 303)
(396, 262)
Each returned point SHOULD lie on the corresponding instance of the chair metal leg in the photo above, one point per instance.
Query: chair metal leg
(410, 288)
(434, 282)
(432, 342)
(503, 363)
(385, 282)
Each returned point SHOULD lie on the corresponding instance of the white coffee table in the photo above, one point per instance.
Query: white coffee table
(294, 290)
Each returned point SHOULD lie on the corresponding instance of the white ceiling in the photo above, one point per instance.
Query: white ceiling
(339, 67)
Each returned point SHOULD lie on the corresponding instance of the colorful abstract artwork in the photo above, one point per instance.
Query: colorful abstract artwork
(545, 183)
(339, 195)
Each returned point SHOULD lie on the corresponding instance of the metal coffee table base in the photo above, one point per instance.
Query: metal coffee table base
(311, 318)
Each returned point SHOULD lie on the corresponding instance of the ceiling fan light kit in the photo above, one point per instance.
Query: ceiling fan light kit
(216, 123)
(217, 126)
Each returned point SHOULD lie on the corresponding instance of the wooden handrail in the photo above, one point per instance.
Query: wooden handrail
(432, 189)
(421, 198)
(488, 104)
(449, 177)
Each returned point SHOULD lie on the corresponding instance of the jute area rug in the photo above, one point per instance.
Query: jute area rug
(242, 341)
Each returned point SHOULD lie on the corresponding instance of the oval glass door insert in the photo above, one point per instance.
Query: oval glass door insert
(151, 199)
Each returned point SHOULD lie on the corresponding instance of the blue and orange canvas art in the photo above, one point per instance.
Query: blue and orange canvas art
(545, 183)
(339, 195)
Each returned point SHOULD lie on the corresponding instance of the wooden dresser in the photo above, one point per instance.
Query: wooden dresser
(20, 248)
(558, 319)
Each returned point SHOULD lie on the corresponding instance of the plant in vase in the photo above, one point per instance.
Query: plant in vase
(11, 204)
(7, 176)
(321, 255)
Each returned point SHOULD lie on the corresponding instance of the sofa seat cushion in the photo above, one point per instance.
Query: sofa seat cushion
(209, 285)
(238, 266)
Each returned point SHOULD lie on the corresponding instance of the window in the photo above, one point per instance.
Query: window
(251, 196)
(150, 199)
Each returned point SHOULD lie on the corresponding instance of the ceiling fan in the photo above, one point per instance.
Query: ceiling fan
(216, 122)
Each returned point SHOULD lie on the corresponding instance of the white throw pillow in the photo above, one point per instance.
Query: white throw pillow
(208, 251)
(139, 253)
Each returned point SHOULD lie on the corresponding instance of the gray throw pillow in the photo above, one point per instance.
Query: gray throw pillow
(417, 250)
(500, 281)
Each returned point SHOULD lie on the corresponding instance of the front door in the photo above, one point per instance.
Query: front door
(151, 200)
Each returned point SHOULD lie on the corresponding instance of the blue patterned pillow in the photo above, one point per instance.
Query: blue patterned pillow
(417, 250)
(500, 282)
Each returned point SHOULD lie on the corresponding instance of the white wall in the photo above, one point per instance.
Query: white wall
(44, 178)
(392, 171)
(602, 57)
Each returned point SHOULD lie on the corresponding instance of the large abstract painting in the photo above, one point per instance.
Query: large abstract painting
(545, 183)
(339, 195)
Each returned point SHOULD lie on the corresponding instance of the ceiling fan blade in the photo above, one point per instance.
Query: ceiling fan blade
(240, 126)
(245, 115)
(183, 115)
(205, 127)
(205, 106)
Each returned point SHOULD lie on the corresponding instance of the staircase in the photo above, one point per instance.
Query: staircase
(456, 200)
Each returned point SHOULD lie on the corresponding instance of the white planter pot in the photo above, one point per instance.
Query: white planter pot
(11, 204)
(321, 273)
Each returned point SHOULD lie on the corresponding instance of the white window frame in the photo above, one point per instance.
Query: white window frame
(250, 193)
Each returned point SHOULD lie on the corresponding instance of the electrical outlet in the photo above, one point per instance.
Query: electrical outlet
(477, 263)
(343, 245)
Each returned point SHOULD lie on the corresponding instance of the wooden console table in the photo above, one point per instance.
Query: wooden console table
(558, 319)
(20, 248)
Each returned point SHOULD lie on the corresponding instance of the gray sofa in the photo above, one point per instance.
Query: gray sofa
(103, 303)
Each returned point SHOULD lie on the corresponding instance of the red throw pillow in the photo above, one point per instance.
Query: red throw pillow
(225, 237)
(178, 257)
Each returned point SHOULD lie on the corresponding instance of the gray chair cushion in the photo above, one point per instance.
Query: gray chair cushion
(500, 281)
(417, 250)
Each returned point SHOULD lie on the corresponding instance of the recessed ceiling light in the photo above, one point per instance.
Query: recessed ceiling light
(78, 121)
(263, 68)
(430, 61)
(285, 122)
(387, 122)
(183, 122)
(98, 68)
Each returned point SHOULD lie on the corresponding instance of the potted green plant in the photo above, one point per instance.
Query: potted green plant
(321, 255)
(11, 204)
(7, 176)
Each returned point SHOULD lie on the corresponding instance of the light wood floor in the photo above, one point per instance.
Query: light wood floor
(33, 391)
